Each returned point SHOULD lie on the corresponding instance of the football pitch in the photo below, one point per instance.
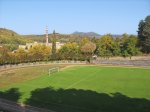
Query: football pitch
(86, 89)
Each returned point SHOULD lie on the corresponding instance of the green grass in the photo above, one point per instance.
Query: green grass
(87, 88)
(12, 76)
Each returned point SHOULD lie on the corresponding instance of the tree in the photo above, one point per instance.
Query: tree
(69, 51)
(4, 57)
(39, 53)
(21, 55)
(105, 46)
(116, 51)
(88, 50)
(95, 41)
(129, 46)
(84, 41)
(54, 46)
(46, 52)
(144, 34)
(13, 58)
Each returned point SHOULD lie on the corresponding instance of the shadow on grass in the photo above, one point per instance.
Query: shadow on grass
(73, 100)
(12, 94)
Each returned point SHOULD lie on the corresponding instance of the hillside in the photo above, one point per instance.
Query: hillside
(11, 39)
(41, 38)
(74, 37)
(88, 34)
(37, 38)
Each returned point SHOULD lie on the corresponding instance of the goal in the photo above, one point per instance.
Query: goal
(53, 70)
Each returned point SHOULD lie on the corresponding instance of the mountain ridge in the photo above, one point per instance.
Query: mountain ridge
(90, 34)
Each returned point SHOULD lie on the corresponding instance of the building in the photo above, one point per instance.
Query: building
(29, 45)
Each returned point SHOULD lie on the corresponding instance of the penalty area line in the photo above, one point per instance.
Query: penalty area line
(80, 81)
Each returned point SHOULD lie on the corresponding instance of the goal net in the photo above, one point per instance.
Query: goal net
(53, 70)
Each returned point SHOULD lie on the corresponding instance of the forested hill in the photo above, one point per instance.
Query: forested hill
(88, 34)
(74, 37)
(10, 37)
(60, 37)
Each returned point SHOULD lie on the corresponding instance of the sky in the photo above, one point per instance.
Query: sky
(67, 16)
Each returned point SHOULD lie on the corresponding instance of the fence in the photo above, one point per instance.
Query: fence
(123, 62)
(98, 61)
(10, 106)
(8, 66)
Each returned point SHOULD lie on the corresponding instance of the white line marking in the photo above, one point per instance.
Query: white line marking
(77, 82)
(80, 81)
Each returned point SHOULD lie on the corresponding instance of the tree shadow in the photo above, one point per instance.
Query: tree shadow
(12, 94)
(73, 100)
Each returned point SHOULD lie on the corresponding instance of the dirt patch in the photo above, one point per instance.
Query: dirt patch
(106, 65)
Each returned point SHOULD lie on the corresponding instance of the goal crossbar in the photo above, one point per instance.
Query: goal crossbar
(53, 70)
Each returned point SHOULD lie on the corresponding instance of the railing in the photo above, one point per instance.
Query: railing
(15, 107)
(8, 66)
(98, 61)
(124, 62)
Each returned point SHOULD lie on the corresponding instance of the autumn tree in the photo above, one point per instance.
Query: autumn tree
(21, 55)
(69, 51)
(88, 50)
(4, 55)
(84, 41)
(105, 46)
(13, 58)
(39, 53)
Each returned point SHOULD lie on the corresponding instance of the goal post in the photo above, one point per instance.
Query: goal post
(53, 70)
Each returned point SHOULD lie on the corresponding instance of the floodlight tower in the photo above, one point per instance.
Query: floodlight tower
(46, 36)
